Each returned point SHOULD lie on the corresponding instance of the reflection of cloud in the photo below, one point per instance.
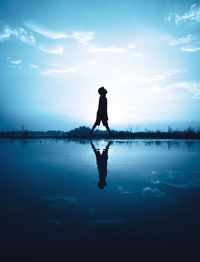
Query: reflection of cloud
(106, 221)
(193, 15)
(55, 71)
(124, 191)
(107, 50)
(56, 222)
(69, 199)
(149, 191)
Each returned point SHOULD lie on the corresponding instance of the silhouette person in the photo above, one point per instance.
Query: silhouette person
(101, 164)
(102, 115)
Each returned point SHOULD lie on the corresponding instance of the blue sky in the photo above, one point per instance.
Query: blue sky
(54, 55)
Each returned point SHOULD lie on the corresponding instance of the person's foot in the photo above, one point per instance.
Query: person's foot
(111, 134)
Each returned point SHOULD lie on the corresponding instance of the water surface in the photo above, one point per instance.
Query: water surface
(103, 200)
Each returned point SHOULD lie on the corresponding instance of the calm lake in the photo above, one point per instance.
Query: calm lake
(102, 200)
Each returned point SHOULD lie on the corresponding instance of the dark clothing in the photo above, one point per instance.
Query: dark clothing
(101, 164)
(102, 114)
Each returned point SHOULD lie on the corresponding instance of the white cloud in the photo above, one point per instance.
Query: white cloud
(92, 63)
(42, 31)
(51, 50)
(182, 41)
(193, 15)
(62, 71)
(137, 54)
(33, 66)
(15, 62)
(131, 46)
(163, 76)
(7, 33)
(26, 37)
(108, 50)
(191, 87)
(190, 48)
(54, 64)
(189, 43)
(19, 33)
(83, 37)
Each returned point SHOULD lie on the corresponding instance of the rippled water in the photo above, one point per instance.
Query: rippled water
(103, 200)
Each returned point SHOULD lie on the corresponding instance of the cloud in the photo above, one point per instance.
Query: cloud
(28, 38)
(137, 54)
(163, 76)
(15, 62)
(92, 63)
(181, 41)
(190, 48)
(33, 66)
(189, 43)
(193, 15)
(44, 32)
(108, 50)
(19, 33)
(7, 33)
(51, 50)
(131, 46)
(62, 71)
(83, 37)
(190, 87)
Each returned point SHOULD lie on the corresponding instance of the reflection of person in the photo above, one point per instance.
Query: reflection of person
(101, 164)
(102, 115)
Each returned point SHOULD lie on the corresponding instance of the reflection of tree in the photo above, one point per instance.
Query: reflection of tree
(101, 159)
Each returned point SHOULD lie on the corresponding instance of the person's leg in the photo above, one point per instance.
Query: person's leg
(93, 128)
(107, 127)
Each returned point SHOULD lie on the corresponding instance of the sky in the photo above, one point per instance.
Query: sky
(54, 55)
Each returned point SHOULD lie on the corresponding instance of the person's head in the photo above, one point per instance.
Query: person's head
(101, 184)
(102, 91)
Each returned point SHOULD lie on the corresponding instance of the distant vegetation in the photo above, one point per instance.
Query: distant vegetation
(84, 132)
